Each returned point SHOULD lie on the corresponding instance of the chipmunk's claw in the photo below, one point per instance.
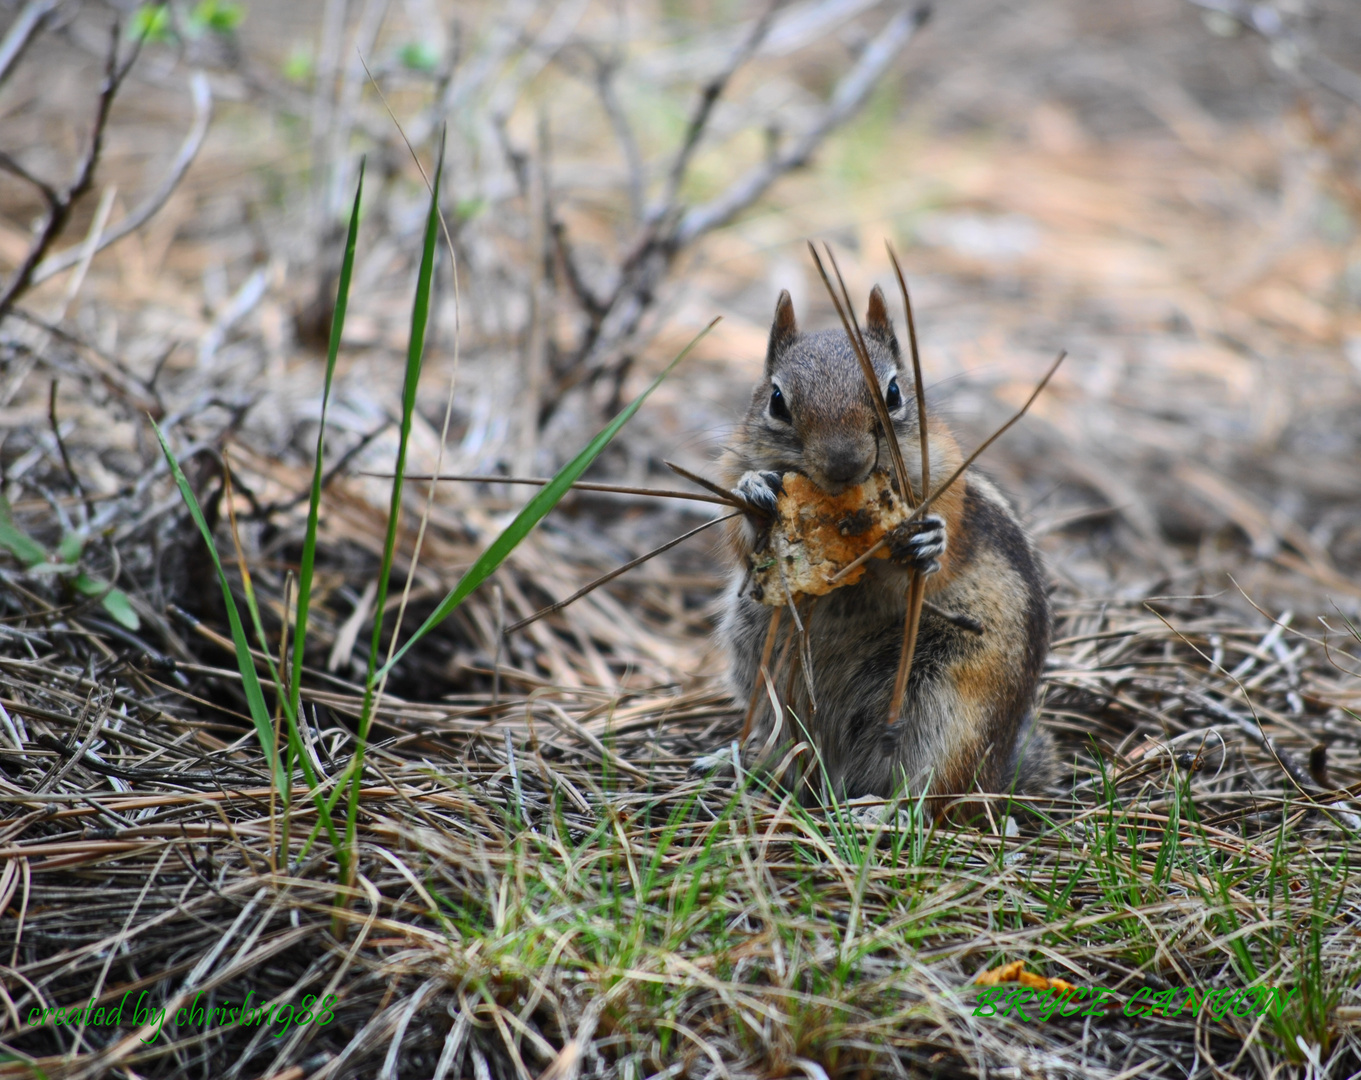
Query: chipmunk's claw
(761, 490)
(918, 544)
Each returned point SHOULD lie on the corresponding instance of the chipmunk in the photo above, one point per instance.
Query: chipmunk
(967, 721)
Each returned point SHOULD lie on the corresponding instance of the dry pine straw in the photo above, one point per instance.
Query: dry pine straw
(541, 882)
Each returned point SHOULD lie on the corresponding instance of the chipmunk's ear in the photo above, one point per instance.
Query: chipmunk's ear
(877, 321)
(782, 331)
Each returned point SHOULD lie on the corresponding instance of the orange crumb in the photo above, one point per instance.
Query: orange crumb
(1015, 972)
(818, 534)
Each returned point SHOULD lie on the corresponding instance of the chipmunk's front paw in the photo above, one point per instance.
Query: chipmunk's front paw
(919, 544)
(761, 489)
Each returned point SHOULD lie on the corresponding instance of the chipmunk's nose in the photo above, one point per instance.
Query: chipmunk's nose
(846, 461)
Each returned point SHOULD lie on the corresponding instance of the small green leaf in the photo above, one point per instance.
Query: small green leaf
(419, 56)
(151, 23)
(46, 567)
(117, 604)
(300, 64)
(216, 16)
(70, 547)
(467, 209)
(89, 586)
(114, 601)
(17, 542)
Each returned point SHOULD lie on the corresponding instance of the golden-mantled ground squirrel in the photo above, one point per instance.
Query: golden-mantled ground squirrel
(967, 718)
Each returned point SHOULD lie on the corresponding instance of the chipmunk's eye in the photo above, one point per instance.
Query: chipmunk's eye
(893, 397)
(778, 409)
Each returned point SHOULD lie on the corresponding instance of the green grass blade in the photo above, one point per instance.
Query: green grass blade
(309, 544)
(114, 601)
(255, 696)
(17, 542)
(415, 350)
(535, 510)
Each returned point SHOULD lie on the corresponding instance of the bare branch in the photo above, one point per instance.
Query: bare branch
(580, 485)
(241, 304)
(668, 228)
(916, 587)
(763, 674)
(857, 340)
(1297, 51)
(926, 503)
(955, 618)
(60, 210)
(922, 442)
(471, 80)
(340, 163)
(594, 307)
(849, 95)
(545, 46)
(623, 132)
(147, 209)
(21, 32)
(916, 593)
(112, 372)
(50, 194)
(65, 454)
(729, 497)
(704, 108)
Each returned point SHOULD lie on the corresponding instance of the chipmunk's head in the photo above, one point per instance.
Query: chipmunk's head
(813, 413)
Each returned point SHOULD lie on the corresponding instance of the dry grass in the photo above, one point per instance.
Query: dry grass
(540, 879)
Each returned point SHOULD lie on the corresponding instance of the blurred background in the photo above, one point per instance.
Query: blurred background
(1168, 190)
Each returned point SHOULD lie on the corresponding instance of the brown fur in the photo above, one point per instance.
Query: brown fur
(966, 723)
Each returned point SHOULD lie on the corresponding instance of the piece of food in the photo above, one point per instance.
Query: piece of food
(1015, 972)
(817, 535)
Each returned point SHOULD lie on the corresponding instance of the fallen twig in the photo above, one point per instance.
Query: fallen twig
(926, 503)
(559, 605)
(580, 485)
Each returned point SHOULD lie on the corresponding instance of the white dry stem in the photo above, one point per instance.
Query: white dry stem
(202, 95)
(87, 252)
